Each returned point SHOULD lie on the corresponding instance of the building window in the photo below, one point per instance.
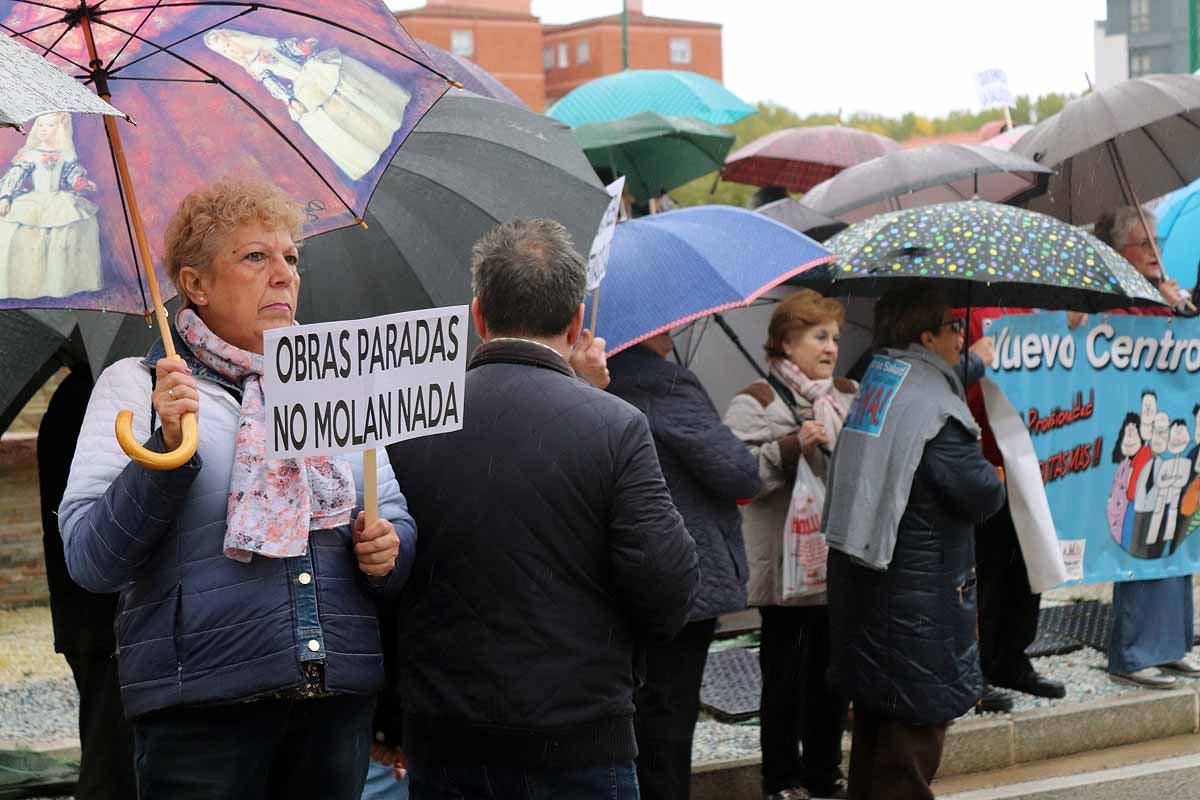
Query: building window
(583, 52)
(1139, 16)
(681, 51)
(1140, 64)
(548, 58)
(564, 56)
(462, 43)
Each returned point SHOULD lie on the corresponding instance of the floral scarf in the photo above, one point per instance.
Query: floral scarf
(829, 405)
(272, 504)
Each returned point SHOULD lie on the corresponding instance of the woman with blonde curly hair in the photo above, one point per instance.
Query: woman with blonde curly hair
(796, 413)
(249, 652)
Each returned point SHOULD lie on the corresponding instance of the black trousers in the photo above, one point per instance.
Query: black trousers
(314, 749)
(1008, 609)
(668, 704)
(798, 706)
(893, 760)
(105, 738)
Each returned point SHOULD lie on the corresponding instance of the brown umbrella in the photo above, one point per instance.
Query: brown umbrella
(800, 158)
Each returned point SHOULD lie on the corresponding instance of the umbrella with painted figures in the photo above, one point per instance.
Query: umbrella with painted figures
(985, 254)
(314, 95)
(922, 176)
(655, 153)
(799, 158)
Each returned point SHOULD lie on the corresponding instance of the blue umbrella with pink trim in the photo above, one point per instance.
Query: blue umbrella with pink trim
(670, 269)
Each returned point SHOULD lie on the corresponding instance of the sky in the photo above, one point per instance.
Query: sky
(879, 56)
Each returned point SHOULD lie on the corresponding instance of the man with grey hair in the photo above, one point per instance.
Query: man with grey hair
(549, 552)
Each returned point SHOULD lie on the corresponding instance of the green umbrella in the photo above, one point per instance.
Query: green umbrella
(653, 152)
(985, 254)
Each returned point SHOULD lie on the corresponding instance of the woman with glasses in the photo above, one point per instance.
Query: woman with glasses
(907, 485)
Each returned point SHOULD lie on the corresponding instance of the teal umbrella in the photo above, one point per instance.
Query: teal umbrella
(984, 254)
(653, 152)
(671, 92)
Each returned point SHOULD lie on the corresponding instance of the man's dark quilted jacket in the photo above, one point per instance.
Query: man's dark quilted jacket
(549, 547)
(904, 642)
(707, 469)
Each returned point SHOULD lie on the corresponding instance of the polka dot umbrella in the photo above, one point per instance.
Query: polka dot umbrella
(984, 254)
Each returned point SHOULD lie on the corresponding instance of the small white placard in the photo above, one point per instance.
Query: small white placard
(991, 85)
(349, 386)
(1072, 553)
(602, 244)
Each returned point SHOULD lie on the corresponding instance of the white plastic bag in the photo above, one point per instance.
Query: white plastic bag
(804, 548)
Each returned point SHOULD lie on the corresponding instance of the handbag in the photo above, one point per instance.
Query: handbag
(804, 548)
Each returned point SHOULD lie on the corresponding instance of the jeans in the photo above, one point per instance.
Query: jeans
(613, 782)
(382, 784)
(667, 707)
(1152, 623)
(260, 750)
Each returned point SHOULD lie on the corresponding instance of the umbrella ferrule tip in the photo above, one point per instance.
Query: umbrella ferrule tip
(360, 222)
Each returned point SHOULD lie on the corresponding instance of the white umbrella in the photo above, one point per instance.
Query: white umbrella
(31, 86)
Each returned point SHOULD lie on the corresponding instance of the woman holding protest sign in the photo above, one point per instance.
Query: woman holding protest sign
(907, 485)
(249, 650)
(791, 424)
(1153, 620)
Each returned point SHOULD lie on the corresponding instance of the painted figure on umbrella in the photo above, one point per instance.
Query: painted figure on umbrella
(346, 108)
(49, 235)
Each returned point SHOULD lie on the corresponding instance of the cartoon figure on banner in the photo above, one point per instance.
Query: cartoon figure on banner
(49, 234)
(1120, 513)
(1155, 489)
(346, 108)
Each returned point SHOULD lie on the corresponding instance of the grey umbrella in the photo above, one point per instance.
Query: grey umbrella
(470, 164)
(1137, 139)
(922, 176)
(799, 217)
(31, 86)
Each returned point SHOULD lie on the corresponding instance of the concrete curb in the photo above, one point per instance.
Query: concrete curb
(990, 743)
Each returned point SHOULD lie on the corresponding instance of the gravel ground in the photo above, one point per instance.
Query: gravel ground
(38, 701)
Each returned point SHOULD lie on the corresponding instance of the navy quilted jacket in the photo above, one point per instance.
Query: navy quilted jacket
(903, 640)
(549, 549)
(707, 469)
(194, 626)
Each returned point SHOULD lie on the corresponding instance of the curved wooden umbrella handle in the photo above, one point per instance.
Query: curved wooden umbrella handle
(150, 459)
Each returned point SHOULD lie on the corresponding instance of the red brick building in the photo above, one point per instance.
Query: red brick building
(499, 35)
(541, 63)
(578, 52)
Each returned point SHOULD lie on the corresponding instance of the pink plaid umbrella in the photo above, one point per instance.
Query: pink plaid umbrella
(799, 158)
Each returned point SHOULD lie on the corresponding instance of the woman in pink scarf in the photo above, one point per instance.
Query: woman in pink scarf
(249, 652)
(797, 413)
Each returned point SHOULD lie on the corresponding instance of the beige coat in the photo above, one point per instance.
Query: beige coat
(760, 418)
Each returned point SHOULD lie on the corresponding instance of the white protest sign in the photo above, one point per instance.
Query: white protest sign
(602, 244)
(991, 86)
(340, 387)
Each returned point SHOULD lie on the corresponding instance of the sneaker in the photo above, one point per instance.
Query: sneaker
(1186, 666)
(1148, 678)
(791, 793)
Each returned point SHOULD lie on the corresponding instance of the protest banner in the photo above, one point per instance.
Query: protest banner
(358, 385)
(1113, 415)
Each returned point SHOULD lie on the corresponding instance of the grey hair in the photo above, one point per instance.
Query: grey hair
(528, 277)
(1114, 225)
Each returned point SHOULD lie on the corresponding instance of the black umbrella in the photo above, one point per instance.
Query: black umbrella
(470, 164)
(34, 344)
